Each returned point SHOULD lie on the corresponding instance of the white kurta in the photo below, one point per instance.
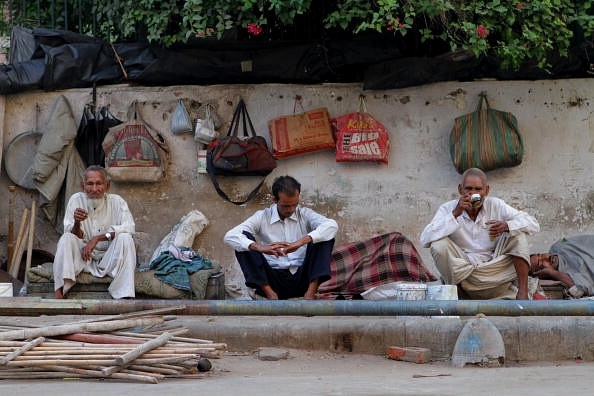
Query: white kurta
(464, 254)
(472, 236)
(267, 227)
(116, 258)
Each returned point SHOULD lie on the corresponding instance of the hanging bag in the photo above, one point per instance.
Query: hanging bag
(205, 131)
(360, 137)
(180, 120)
(302, 133)
(486, 139)
(235, 155)
(133, 153)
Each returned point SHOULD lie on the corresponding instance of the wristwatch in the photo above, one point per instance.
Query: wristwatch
(108, 236)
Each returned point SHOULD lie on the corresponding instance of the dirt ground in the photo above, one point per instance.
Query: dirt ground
(330, 374)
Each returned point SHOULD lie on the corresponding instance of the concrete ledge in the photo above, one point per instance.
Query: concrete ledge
(536, 338)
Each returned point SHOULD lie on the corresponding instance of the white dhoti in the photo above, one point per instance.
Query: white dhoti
(493, 279)
(118, 262)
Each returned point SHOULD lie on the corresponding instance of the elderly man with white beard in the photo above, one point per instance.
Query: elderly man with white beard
(97, 238)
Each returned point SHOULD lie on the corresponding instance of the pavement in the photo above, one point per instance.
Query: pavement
(346, 355)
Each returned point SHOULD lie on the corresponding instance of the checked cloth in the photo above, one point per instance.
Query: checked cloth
(358, 266)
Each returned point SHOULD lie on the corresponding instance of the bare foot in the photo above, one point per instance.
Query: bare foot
(310, 296)
(270, 294)
(59, 295)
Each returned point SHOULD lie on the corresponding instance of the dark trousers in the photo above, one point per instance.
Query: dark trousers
(257, 271)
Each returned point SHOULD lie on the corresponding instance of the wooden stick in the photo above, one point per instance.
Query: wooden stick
(21, 350)
(98, 351)
(50, 362)
(100, 338)
(13, 269)
(154, 369)
(156, 311)
(144, 335)
(38, 375)
(30, 242)
(91, 357)
(10, 236)
(128, 357)
(97, 373)
(66, 329)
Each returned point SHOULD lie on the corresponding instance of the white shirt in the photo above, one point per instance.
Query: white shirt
(112, 215)
(267, 227)
(472, 236)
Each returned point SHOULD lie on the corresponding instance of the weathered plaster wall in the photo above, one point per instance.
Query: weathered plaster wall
(554, 182)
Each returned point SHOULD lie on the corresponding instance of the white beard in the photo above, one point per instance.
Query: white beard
(94, 204)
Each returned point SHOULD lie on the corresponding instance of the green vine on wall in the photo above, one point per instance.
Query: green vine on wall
(514, 31)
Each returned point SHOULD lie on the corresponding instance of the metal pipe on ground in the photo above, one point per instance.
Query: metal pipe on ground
(31, 306)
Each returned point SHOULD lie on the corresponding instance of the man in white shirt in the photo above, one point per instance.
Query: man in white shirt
(284, 250)
(97, 238)
(481, 246)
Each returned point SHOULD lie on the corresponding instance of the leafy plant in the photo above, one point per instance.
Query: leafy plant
(514, 31)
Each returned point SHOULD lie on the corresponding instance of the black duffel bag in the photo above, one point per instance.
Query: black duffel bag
(235, 155)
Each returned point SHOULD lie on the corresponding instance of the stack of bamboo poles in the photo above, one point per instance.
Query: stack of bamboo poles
(101, 349)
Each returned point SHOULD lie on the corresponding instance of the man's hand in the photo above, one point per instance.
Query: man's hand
(89, 247)
(496, 228)
(279, 249)
(463, 204)
(80, 214)
(273, 249)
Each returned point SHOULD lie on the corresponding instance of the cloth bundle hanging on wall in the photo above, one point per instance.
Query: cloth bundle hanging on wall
(486, 138)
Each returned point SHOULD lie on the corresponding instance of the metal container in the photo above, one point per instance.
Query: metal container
(411, 291)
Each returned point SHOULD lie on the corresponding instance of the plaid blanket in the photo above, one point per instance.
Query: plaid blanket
(358, 266)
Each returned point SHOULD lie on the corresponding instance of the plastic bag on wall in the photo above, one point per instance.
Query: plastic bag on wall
(180, 121)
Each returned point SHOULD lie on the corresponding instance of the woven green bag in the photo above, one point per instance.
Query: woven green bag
(486, 139)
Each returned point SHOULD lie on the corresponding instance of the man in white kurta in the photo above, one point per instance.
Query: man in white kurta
(97, 238)
(481, 247)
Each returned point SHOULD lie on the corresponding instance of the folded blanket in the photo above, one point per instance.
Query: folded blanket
(175, 266)
(358, 266)
(146, 283)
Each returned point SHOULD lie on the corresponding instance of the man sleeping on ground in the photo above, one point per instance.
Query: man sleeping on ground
(569, 261)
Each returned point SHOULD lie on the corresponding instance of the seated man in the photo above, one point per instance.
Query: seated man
(569, 261)
(481, 246)
(97, 238)
(284, 250)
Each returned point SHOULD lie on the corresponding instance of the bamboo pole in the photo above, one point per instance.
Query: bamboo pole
(10, 236)
(31, 233)
(146, 335)
(128, 357)
(99, 351)
(156, 311)
(97, 373)
(66, 329)
(156, 369)
(18, 249)
(100, 338)
(21, 350)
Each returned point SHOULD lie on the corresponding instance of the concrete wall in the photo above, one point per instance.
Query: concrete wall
(554, 182)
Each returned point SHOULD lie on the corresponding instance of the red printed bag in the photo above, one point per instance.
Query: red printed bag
(360, 137)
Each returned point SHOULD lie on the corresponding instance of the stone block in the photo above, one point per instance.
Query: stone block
(409, 354)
